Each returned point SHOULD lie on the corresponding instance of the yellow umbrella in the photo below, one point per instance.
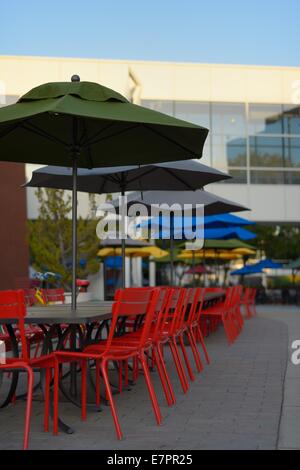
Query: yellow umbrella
(244, 251)
(155, 251)
(188, 254)
(143, 252)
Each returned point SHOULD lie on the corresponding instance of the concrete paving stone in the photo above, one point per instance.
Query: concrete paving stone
(290, 428)
(292, 392)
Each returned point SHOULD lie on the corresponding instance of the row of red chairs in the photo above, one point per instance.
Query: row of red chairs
(162, 317)
(229, 312)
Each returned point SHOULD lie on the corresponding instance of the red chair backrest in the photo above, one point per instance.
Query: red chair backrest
(55, 295)
(197, 301)
(176, 309)
(30, 298)
(12, 307)
(131, 303)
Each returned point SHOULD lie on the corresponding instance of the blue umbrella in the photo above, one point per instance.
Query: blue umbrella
(269, 264)
(183, 228)
(225, 220)
(227, 233)
(257, 267)
(219, 221)
(248, 269)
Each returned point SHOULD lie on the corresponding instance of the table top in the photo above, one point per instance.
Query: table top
(86, 312)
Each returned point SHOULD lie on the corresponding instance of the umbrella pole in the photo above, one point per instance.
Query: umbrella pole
(193, 264)
(172, 260)
(123, 250)
(74, 234)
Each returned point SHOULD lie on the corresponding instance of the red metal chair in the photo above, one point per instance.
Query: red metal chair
(12, 306)
(129, 303)
(55, 295)
(156, 330)
(248, 301)
(194, 320)
(224, 312)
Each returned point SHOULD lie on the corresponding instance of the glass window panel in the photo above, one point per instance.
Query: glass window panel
(228, 151)
(238, 177)
(197, 113)
(266, 177)
(206, 157)
(266, 151)
(292, 152)
(265, 119)
(291, 119)
(166, 107)
(292, 177)
(228, 118)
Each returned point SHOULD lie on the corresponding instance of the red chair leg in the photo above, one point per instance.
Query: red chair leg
(150, 388)
(83, 389)
(156, 360)
(47, 399)
(160, 355)
(97, 383)
(30, 381)
(195, 351)
(55, 397)
(202, 342)
(186, 359)
(110, 399)
(179, 367)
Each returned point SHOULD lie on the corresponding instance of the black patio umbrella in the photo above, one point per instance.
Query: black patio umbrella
(179, 176)
(83, 124)
(213, 204)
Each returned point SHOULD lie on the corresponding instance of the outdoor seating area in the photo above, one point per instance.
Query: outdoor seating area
(137, 302)
(130, 336)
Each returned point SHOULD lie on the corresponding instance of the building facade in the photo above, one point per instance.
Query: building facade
(252, 112)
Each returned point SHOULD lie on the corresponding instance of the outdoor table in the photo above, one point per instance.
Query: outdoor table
(64, 322)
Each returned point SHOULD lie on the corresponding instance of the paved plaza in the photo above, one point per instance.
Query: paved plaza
(248, 398)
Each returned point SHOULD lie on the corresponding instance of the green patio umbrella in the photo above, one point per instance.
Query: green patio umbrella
(83, 124)
(229, 244)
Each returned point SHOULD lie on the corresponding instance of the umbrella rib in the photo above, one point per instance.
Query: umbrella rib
(89, 152)
(145, 173)
(96, 141)
(170, 172)
(89, 140)
(36, 130)
(160, 134)
(8, 131)
(106, 178)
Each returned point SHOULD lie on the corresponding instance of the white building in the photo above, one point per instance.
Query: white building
(253, 114)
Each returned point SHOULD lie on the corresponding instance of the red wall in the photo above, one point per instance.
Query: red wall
(14, 254)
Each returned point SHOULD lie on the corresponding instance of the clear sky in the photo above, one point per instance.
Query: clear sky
(214, 31)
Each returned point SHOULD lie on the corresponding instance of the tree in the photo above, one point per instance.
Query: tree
(50, 236)
(280, 242)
